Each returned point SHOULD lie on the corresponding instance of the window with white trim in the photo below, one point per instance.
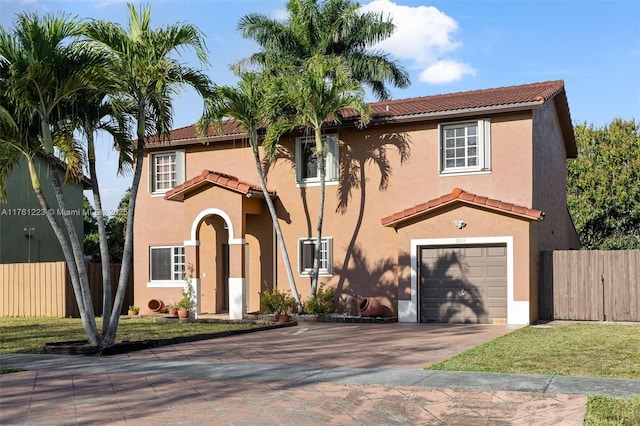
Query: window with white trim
(307, 170)
(465, 147)
(167, 263)
(166, 171)
(306, 254)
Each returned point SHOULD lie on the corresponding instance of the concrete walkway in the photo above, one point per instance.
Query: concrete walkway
(312, 374)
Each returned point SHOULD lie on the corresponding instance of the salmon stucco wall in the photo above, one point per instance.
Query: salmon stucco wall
(557, 231)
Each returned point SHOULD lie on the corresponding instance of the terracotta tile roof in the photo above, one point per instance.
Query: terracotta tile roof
(220, 179)
(535, 93)
(459, 195)
(226, 130)
(522, 96)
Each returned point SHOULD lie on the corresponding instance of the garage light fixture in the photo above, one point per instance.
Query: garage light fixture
(459, 224)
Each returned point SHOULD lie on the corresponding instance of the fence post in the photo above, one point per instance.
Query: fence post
(604, 305)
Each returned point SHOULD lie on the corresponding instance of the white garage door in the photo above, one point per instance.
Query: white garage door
(466, 284)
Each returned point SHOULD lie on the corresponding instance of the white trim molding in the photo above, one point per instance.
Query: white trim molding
(237, 296)
(517, 311)
(191, 243)
(165, 284)
(208, 212)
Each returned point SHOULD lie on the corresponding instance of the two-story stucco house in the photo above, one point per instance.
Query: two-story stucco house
(439, 208)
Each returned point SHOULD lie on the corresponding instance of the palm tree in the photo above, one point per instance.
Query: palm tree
(42, 68)
(144, 61)
(246, 104)
(317, 34)
(101, 112)
(330, 27)
(310, 100)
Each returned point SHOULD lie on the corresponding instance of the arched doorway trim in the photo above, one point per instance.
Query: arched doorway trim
(224, 216)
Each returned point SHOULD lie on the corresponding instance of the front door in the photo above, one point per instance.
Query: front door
(213, 262)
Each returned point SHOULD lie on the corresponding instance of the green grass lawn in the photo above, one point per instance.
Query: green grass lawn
(603, 411)
(28, 335)
(584, 349)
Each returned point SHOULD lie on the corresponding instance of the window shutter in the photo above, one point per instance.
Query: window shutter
(180, 167)
(332, 142)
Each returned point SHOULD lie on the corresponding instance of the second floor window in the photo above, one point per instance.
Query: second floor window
(166, 171)
(307, 170)
(465, 147)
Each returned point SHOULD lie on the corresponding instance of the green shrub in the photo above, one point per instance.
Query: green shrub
(276, 302)
(320, 303)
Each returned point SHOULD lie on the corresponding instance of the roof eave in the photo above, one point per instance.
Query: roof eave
(397, 222)
(522, 106)
(202, 140)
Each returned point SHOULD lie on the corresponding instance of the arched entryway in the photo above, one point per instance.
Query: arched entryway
(212, 265)
(220, 264)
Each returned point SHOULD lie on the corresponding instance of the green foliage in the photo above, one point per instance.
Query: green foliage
(276, 302)
(602, 410)
(134, 308)
(116, 227)
(188, 296)
(88, 217)
(603, 186)
(327, 28)
(321, 302)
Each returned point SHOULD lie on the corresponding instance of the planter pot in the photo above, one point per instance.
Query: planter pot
(155, 305)
(173, 311)
(183, 313)
(283, 318)
(132, 313)
(370, 307)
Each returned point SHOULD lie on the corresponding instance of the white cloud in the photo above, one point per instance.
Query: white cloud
(446, 71)
(423, 39)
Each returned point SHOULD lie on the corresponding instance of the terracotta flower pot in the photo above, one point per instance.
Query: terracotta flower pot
(183, 313)
(283, 318)
(370, 307)
(155, 305)
(132, 313)
(173, 311)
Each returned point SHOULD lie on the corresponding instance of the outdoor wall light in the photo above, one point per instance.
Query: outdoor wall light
(459, 224)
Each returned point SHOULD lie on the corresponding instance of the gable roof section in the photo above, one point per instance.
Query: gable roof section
(521, 97)
(207, 177)
(460, 196)
(502, 99)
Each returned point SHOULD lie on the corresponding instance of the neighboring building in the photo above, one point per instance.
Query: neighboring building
(26, 235)
(436, 208)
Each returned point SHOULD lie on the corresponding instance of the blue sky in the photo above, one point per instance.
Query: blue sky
(447, 46)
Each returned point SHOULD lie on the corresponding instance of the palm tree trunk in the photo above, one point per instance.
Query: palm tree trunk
(127, 253)
(276, 222)
(86, 307)
(102, 234)
(317, 249)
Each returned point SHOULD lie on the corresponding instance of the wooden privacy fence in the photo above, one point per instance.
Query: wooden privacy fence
(590, 285)
(44, 289)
